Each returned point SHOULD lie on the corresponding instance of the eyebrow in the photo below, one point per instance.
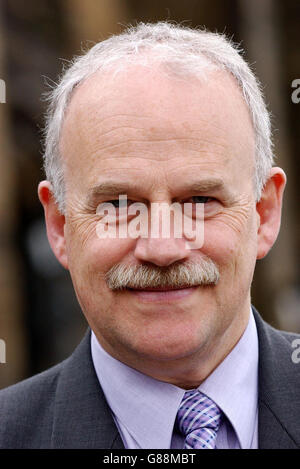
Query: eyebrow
(206, 185)
(109, 188)
(115, 188)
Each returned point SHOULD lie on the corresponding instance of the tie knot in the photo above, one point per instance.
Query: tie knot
(198, 419)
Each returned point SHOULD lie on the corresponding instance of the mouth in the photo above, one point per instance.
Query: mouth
(167, 288)
(162, 294)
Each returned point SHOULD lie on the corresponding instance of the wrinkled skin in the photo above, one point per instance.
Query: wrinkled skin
(166, 139)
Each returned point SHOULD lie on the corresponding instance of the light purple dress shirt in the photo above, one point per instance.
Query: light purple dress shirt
(144, 409)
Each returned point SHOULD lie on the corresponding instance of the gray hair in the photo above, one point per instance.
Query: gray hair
(183, 51)
(177, 275)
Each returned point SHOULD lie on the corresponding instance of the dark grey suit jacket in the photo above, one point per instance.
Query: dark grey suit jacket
(64, 407)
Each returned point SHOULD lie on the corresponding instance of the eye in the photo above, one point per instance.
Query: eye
(203, 206)
(201, 199)
(121, 206)
(115, 210)
(117, 203)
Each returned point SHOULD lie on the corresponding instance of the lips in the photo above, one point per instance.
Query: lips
(158, 289)
(162, 294)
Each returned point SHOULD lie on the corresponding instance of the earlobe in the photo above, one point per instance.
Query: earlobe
(55, 222)
(269, 211)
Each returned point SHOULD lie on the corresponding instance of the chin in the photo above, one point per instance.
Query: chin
(166, 348)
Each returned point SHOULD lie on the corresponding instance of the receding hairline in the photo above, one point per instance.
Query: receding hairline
(216, 75)
(154, 64)
(182, 46)
(102, 78)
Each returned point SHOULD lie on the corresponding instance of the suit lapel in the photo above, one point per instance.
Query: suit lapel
(82, 418)
(279, 381)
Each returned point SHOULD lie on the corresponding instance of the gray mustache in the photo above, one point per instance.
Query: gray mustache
(188, 274)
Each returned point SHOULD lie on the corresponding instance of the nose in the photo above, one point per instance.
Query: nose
(160, 251)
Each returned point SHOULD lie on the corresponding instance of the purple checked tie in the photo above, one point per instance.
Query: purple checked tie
(198, 419)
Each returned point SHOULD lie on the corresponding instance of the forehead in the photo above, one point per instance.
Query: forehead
(143, 119)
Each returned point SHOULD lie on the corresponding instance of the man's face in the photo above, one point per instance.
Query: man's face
(161, 139)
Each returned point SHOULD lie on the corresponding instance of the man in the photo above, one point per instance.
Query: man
(176, 357)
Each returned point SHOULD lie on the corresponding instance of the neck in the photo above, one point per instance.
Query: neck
(186, 372)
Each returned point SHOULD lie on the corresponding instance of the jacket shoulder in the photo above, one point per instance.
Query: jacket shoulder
(23, 405)
(280, 340)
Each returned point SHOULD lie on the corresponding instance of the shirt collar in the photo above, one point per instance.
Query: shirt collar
(233, 385)
(147, 407)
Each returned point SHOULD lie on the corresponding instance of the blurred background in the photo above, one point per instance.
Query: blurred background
(40, 320)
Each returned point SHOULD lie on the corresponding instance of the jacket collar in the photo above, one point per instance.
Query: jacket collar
(82, 418)
(279, 381)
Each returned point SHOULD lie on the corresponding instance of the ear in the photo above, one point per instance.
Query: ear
(269, 211)
(55, 222)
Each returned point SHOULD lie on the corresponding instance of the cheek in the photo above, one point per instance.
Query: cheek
(219, 243)
(229, 246)
(104, 253)
(235, 254)
(88, 265)
(96, 256)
